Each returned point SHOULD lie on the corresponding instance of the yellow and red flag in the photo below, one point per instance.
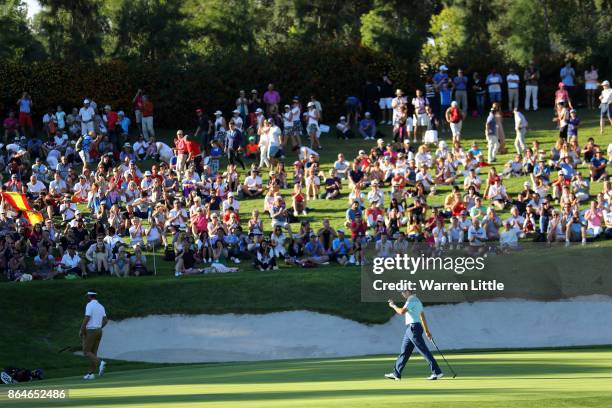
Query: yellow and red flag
(20, 203)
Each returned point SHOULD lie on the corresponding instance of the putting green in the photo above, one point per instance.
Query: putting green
(566, 378)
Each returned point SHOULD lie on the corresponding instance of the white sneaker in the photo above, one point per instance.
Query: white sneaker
(89, 376)
(275, 268)
(392, 376)
(101, 368)
(351, 259)
(295, 214)
(236, 260)
(435, 376)
(584, 242)
(177, 273)
(304, 212)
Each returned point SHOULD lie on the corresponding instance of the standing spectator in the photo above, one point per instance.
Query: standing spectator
(233, 143)
(513, 80)
(371, 96)
(494, 81)
(137, 104)
(591, 85)
(605, 100)
(271, 98)
(455, 120)
(568, 77)
(180, 150)
(242, 105)
(386, 97)
(11, 127)
(520, 126)
(86, 117)
(353, 110)
(204, 128)
(147, 118)
(111, 118)
(430, 94)
(531, 78)
(397, 103)
(420, 114)
(60, 115)
(491, 135)
(479, 92)
(461, 87)
(440, 80)
(317, 105)
(25, 113)
(561, 95)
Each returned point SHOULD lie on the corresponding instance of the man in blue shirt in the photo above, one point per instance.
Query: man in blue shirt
(567, 75)
(416, 325)
(314, 251)
(598, 166)
(460, 83)
(367, 127)
(494, 82)
(342, 248)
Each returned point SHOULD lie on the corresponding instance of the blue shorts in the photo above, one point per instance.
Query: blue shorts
(495, 96)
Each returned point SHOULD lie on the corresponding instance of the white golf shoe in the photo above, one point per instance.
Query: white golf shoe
(101, 368)
(435, 376)
(392, 376)
(89, 376)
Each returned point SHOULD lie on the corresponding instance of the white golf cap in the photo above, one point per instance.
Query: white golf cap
(342, 117)
(147, 173)
(86, 101)
(380, 141)
(605, 83)
(443, 68)
(454, 104)
(218, 113)
(368, 114)
(236, 111)
(310, 104)
(259, 110)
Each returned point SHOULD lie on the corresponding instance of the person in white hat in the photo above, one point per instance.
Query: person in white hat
(397, 103)
(86, 117)
(220, 126)
(605, 100)
(343, 129)
(237, 119)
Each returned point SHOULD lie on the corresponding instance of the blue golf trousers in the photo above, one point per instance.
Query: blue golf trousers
(414, 339)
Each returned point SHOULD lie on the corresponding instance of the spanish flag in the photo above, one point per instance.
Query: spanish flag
(20, 203)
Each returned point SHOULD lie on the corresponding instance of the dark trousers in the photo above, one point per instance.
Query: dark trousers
(233, 157)
(413, 338)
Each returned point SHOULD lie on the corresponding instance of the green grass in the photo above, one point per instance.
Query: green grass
(539, 378)
(39, 318)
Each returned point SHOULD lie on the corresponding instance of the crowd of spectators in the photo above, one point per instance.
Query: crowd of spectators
(105, 200)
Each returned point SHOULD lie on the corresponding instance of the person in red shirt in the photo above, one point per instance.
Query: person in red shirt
(180, 149)
(147, 118)
(252, 148)
(358, 228)
(194, 153)
(137, 104)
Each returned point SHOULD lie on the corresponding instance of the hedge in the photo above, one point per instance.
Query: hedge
(330, 71)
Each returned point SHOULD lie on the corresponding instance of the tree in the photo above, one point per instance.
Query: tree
(448, 38)
(150, 30)
(390, 27)
(17, 43)
(519, 33)
(72, 29)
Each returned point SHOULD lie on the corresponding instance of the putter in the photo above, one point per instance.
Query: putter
(444, 358)
(71, 348)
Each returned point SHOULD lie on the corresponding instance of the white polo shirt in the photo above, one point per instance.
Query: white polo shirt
(96, 313)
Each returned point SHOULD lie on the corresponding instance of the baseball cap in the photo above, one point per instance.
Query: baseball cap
(443, 68)
(85, 101)
(218, 113)
(606, 83)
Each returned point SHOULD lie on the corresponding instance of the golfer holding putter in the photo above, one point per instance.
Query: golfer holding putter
(91, 334)
(415, 324)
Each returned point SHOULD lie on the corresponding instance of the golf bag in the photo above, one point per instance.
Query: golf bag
(13, 375)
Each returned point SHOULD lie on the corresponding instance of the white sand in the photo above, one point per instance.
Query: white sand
(302, 334)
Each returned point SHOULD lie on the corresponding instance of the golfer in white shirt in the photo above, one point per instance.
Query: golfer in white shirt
(91, 334)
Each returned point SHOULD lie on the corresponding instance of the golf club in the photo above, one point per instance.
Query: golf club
(444, 358)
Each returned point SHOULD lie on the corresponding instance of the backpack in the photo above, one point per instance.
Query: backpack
(455, 115)
(169, 254)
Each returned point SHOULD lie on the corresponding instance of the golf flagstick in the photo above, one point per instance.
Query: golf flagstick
(154, 266)
(444, 358)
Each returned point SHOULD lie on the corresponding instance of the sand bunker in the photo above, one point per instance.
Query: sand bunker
(302, 334)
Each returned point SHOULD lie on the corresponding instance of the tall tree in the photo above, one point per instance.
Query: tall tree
(448, 38)
(72, 29)
(150, 30)
(17, 43)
